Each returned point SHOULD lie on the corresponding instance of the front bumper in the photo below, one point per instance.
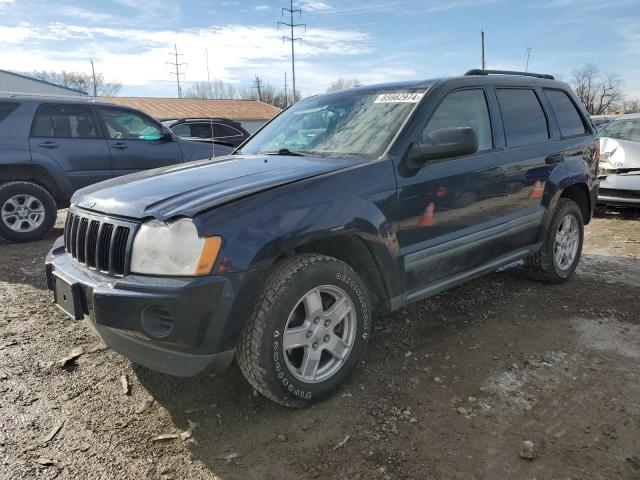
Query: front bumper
(175, 325)
(620, 189)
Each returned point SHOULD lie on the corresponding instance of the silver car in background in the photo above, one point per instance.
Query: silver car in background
(620, 162)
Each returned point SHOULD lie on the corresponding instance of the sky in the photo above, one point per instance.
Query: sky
(375, 41)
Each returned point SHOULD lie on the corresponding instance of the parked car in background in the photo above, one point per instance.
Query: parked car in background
(620, 162)
(368, 198)
(600, 121)
(220, 130)
(52, 146)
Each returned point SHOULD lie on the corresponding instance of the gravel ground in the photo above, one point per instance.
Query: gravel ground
(450, 388)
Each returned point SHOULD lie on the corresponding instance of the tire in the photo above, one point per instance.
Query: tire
(286, 303)
(544, 265)
(25, 198)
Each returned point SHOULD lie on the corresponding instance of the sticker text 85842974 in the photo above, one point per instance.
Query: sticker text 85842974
(405, 97)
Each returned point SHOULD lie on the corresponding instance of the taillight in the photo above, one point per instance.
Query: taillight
(596, 157)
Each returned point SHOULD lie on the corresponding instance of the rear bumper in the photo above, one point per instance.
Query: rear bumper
(621, 190)
(175, 325)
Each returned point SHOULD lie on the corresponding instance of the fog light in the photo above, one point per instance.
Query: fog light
(156, 321)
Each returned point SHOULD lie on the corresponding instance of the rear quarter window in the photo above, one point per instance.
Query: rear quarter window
(7, 109)
(569, 119)
(522, 116)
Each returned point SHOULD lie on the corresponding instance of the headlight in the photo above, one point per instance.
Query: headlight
(173, 249)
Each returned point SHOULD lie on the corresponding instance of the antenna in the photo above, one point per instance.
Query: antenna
(482, 40)
(292, 39)
(529, 49)
(177, 66)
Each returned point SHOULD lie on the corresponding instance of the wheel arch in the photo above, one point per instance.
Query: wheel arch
(355, 252)
(579, 193)
(31, 173)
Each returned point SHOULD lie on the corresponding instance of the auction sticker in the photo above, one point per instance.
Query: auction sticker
(399, 98)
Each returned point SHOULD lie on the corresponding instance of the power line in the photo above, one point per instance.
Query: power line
(259, 87)
(286, 96)
(529, 49)
(95, 85)
(206, 52)
(292, 39)
(177, 66)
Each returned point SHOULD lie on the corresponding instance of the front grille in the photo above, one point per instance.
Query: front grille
(102, 244)
(612, 192)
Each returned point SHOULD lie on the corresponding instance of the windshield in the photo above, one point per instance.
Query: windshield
(623, 129)
(349, 124)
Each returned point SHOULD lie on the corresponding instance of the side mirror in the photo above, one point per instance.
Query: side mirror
(167, 134)
(445, 143)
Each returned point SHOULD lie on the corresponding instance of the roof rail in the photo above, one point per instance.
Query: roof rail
(12, 94)
(478, 71)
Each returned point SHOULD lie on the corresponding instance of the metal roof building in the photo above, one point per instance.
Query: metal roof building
(250, 113)
(11, 82)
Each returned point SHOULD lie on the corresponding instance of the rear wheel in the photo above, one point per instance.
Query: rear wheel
(308, 332)
(27, 211)
(560, 253)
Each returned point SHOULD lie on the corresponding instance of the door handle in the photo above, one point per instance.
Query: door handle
(119, 145)
(554, 158)
(48, 144)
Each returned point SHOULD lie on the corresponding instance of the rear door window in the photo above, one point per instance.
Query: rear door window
(569, 119)
(227, 131)
(201, 130)
(64, 121)
(6, 109)
(523, 117)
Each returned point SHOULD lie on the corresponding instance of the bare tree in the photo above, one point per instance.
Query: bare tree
(632, 106)
(216, 89)
(343, 83)
(270, 95)
(600, 92)
(80, 81)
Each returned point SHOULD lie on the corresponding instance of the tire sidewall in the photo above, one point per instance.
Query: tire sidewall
(330, 272)
(568, 208)
(10, 189)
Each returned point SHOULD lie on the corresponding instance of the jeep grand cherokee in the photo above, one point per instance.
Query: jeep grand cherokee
(369, 198)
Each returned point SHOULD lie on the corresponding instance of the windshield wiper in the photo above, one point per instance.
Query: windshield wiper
(284, 151)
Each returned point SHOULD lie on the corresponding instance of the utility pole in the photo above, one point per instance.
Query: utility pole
(482, 40)
(259, 87)
(206, 52)
(286, 97)
(526, 68)
(177, 66)
(95, 86)
(292, 39)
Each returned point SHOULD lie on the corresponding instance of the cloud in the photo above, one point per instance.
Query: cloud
(261, 8)
(315, 5)
(138, 57)
(454, 4)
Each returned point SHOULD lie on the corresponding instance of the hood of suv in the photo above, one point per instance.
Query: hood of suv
(186, 189)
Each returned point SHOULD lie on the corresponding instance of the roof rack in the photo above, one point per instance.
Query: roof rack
(12, 94)
(478, 71)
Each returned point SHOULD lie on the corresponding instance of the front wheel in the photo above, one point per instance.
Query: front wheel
(308, 331)
(560, 253)
(27, 211)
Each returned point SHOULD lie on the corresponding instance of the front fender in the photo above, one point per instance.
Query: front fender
(260, 229)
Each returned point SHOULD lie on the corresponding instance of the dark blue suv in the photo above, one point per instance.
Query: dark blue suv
(369, 198)
(52, 146)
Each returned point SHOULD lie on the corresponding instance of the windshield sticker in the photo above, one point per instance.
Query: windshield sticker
(399, 98)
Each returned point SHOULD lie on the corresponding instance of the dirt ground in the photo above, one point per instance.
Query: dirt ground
(449, 389)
